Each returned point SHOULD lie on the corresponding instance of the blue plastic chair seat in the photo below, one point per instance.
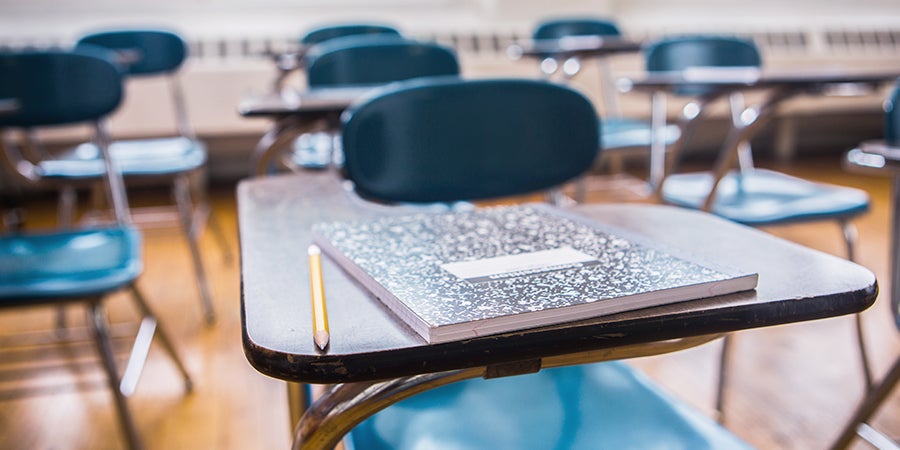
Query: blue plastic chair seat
(596, 406)
(146, 157)
(58, 265)
(762, 197)
(626, 133)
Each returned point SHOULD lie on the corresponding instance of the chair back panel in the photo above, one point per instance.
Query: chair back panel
(58, 87)
(559, 28)
(322, 34)
(360, 60)
(701, 51)
(446, 139)
(142, 52)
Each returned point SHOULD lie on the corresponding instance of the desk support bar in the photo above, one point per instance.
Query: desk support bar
(729, 153)
(283, 133)
(344, 406)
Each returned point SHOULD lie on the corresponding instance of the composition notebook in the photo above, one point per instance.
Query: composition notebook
(460, 275)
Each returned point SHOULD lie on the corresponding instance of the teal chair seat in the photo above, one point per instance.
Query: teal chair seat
(145, 157)
(763, 197)
(598, 406)
(38, 267)
(622, 133)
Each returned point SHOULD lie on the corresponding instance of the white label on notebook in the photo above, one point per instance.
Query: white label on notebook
(501, 267)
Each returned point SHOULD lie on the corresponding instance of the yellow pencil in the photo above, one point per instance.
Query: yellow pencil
(317, 287)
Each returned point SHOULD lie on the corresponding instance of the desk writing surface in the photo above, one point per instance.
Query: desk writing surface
(731, 77)
(290, 102)
(583, 46)
(367, 342)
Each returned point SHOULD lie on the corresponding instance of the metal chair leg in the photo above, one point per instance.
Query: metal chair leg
(97, 320)
(163, 337)
(868, 407)
(199, 182)
(186, 212)
(724, 361)
(850, 238)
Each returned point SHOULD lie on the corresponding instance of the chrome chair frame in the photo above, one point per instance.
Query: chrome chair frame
(193, 212)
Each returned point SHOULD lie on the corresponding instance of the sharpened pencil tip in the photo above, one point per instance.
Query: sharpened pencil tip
(321, 339)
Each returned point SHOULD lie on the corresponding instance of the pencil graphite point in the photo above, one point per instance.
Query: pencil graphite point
(321, 338)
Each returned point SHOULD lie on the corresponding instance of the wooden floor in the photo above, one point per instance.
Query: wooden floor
(793, 386)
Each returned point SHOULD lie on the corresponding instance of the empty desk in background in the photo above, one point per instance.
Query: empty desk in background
(294, 113)
(573, 49)
(778, 86)
(372, 354)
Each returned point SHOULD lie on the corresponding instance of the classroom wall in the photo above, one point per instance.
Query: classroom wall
(227, 38)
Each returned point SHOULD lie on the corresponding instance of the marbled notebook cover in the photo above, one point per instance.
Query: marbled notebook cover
(460, 275)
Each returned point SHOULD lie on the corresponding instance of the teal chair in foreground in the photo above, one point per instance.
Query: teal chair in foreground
(449, 140)
(77, 266)
(749, 195)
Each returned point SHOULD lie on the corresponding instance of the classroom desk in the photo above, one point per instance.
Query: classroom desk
(582, 47)
(378, 361)
(293, 113)
(566, 53)
(719, 83)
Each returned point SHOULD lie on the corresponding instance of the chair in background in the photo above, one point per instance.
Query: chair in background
(561, 28)
(289, 62)
(323, 33)
(449, 140)
(363, 60)
(880, 156)
(77, 266)
(749, 195)
(620, 136)
(376, 60)
(179, 159)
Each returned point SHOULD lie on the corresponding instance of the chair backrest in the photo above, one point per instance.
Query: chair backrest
(361, 60)
(142, 52)
(58, 87)
(446, 139)
(681, 53)
(563, 27)
(324, 33)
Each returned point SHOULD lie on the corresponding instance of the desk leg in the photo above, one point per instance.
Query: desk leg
(298, 401)
(282, 133)
(657, 139)
(753, 120)
(895, 244)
